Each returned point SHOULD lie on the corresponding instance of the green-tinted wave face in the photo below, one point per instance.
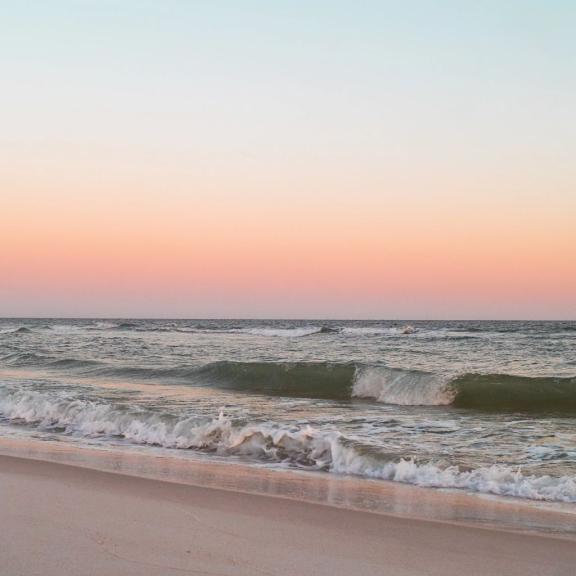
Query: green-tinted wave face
(340, 382)
(320, 380)
(484, 392)
(503, 392)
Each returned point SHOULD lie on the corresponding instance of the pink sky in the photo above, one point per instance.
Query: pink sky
(207, 164)
(199, 246)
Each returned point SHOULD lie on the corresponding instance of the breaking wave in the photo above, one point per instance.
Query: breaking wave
(402, 387)
(288, 332)
(493, 392)
(300, 446)
(293, 332)
(340, 381)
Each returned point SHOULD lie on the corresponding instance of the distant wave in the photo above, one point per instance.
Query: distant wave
(420, 330)
(255, 331)
(286, 332)
(22, 330)
(289, 332)
(379, 330)
(310, 330)
(104, 325)
(340, 381)
(302, 447)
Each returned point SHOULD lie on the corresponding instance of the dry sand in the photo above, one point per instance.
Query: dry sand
(59, 520)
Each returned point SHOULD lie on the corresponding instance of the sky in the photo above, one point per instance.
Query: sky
(302, 159)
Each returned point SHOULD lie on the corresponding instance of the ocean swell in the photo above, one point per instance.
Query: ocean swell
(338, 381)
(509, 392)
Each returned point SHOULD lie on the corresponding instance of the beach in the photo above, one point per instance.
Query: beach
(65, 520)
(222, 447)
(287, 288)
(486, 407)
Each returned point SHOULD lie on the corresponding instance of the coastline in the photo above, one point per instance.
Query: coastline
(382, 497)
(68, 520)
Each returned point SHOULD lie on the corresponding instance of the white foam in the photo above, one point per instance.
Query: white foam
(370, 330)
(379, 330)
(104, 325)
(64, 328)
(403, 387)
(497, 479)
(301, 446)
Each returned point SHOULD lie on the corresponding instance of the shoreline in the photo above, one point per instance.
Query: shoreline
(71, 521)
(379, 497)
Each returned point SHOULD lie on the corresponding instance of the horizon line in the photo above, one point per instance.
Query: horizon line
(280, 319)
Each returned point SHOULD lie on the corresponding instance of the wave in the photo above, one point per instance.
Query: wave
(333, 381)
(505, 391)
(341, 382)
(22, 330)
(379, 330)
(203, 328)
(300, 446)
(322, 380)
(346, 330)
(292, 332)
(126, 326)
(286, 332)
(488, 392)
(397, 330)
(402, 387)
(104, 325)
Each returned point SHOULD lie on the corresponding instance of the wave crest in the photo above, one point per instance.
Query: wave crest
(402, 387)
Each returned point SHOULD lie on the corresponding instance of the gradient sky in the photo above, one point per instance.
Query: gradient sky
(368, 159)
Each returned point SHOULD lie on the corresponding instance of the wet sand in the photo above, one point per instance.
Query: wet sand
(69, 521)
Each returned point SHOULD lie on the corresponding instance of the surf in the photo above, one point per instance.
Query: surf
(303, 447)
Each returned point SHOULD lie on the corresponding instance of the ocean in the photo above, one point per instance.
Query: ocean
(481, 407)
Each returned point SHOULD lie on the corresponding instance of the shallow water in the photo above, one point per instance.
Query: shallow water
(482, 406)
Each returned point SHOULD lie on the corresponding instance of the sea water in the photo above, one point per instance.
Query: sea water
(480, 407)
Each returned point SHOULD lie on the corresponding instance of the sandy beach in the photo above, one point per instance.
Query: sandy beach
(287, 288)
(63, 520)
